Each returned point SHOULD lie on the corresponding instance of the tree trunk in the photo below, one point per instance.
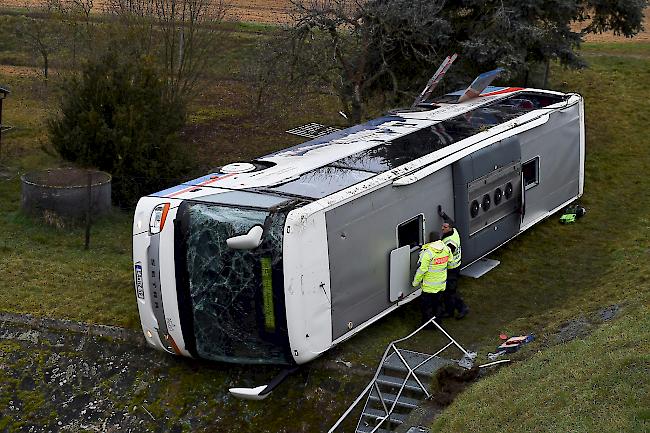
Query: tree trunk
(181, 48)
(74, 46)
(46, 65)
(356, 106)
(526, 77)
(546, 71)
(1, 128)
(89, 198)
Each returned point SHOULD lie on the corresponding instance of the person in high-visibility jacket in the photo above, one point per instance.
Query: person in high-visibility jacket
(432, 276)
(452, 299)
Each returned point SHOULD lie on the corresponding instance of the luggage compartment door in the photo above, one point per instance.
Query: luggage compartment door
(488, 197)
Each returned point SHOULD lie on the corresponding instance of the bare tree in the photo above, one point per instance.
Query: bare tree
(353, 46)
(182, 34)
(75, 18)
(78, 12)
(377, 48)
(41, 32)
(137, 19)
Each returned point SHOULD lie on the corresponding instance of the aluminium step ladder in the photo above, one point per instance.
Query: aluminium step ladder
(400, 384)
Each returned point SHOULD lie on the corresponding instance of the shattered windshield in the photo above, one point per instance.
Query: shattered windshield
(236, 296)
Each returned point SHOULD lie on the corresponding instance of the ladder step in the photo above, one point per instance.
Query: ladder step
(429, 368)
(368, 429)
(397, 418)
(396, 382)
(407, 402)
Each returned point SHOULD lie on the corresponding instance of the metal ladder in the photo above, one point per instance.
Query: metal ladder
(399, 384)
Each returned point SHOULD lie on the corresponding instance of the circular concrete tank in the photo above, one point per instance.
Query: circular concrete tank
(63, 193)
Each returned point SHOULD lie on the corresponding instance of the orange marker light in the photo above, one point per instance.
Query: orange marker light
(158, 218)
(164, 215)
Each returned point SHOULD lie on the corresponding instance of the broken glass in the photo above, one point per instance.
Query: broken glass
(322, 182)
(236, 295)
(403, 150)
(397, 152)
(244, 198)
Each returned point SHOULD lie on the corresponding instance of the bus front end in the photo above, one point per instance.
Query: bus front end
(202, 297)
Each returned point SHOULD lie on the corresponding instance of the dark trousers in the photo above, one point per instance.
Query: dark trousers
(431, 305)
(451, 297)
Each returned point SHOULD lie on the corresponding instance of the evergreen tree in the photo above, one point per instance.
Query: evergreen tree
(518, 34)
(360, 50)
(114, 116)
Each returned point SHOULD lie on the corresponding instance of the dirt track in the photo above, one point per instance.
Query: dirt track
(277, 11)
(261, 11)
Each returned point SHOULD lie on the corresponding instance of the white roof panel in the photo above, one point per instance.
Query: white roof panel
(288, 165)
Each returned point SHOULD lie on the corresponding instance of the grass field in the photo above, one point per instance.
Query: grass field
(549, 276)
(599, 382)
(45, 270)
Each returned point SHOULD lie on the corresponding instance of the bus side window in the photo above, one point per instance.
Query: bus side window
(530, 170)
(411, 232)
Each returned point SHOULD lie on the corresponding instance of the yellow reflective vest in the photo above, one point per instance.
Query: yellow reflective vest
(432, 271)
(454, 240)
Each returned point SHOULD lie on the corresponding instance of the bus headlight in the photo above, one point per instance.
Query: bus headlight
(158, 217)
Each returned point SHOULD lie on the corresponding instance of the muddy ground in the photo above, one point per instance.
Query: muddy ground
(54, 380)
(61, 376)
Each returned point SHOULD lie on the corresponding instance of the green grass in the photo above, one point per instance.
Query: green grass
(45, 270)
(212, 113)
(614, 48)
(548, 275)
(49, 273)
(599, 383)
(555, 273)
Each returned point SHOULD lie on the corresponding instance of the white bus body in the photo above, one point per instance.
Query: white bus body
(332, 210)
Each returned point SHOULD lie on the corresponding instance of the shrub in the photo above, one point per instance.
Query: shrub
(114, 115)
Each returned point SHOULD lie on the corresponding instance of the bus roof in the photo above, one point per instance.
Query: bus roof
(328, 164)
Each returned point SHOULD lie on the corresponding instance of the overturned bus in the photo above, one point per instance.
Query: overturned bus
(280, 259)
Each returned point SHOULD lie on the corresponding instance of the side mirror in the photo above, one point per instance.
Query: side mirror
(250, 393)
(250, 240)
(261, 392)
